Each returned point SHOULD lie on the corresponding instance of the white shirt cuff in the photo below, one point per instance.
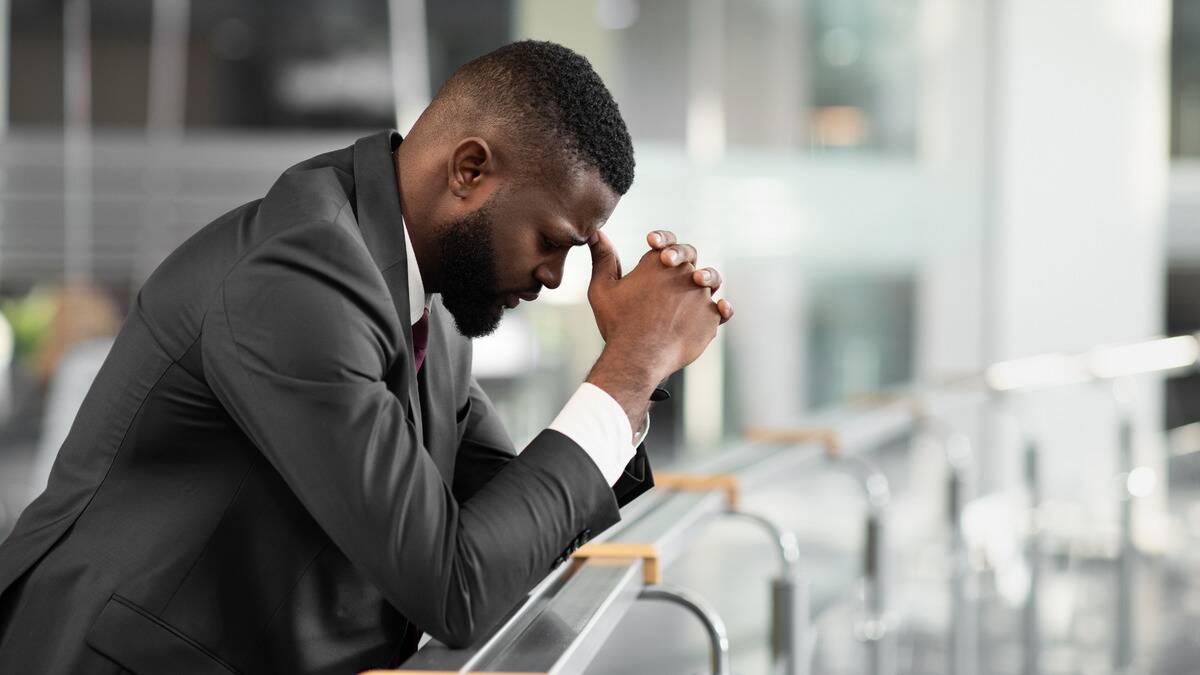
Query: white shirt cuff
(599, 425)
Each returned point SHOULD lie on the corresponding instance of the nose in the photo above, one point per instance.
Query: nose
(549, 274)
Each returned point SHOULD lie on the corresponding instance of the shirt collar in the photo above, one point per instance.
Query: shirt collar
(418, 299)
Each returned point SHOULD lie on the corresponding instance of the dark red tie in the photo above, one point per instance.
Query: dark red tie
(420, 340)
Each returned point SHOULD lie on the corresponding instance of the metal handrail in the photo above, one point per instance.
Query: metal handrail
(713, 625)
(574, 610)
(567, 617)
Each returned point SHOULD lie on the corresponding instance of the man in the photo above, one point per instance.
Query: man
(285, 466)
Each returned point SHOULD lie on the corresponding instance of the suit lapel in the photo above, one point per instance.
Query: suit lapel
(379, 218)
(437, 392)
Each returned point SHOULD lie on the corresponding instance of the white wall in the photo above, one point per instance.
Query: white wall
(1080, 180)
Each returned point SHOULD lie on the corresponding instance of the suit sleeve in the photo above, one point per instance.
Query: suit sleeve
(486, 448)
(296, 345)
(636, 479)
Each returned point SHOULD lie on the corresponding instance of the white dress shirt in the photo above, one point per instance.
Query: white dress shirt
(591, 418)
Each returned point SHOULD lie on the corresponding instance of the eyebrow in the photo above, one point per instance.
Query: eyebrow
(570, 234)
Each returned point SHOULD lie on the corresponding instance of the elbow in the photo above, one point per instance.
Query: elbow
(459, 634)
(459, 624)
(451, 605)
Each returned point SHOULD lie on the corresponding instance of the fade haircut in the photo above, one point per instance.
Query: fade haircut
(553, 101)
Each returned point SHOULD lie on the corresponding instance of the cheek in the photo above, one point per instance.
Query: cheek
(509, 244)
(516, 258)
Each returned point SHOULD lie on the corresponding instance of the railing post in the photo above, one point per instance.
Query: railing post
(791, 636)
(1123, 645)
(717, 635)
(792, 639)
(1031, 634)
(1031, 628)
(962, 652)
(791, 633)
(875, 628)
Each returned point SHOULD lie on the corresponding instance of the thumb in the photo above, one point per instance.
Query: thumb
(606, 266)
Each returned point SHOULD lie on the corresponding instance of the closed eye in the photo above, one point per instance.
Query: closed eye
(549, 244)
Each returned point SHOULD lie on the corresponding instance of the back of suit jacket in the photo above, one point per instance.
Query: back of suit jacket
(258, 481)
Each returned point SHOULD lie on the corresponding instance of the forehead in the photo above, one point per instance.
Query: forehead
(579, 197)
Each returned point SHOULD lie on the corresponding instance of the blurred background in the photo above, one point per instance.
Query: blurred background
(898, 192)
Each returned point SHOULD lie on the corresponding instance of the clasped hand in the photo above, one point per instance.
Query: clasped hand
(661, 316)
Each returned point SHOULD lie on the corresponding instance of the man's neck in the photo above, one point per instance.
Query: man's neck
(414, 222)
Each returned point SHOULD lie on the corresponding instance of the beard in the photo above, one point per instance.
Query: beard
(469, 290)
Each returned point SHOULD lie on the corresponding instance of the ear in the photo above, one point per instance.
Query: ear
(470, 164)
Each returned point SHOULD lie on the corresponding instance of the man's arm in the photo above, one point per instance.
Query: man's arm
(486, 448)
(295, 347)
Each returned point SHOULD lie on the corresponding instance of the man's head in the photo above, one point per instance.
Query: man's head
(521, 155)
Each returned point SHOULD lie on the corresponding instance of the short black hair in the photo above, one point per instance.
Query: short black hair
(548, 92)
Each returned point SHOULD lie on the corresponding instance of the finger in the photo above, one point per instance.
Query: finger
(725, 309)
(606, 265)
(660, 238)
(678, 254)
(707, 277)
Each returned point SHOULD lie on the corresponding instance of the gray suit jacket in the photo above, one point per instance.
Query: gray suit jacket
(258, 481)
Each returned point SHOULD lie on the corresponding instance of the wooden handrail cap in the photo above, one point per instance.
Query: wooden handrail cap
(694, 482)
(826, 437)
(652, 572)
